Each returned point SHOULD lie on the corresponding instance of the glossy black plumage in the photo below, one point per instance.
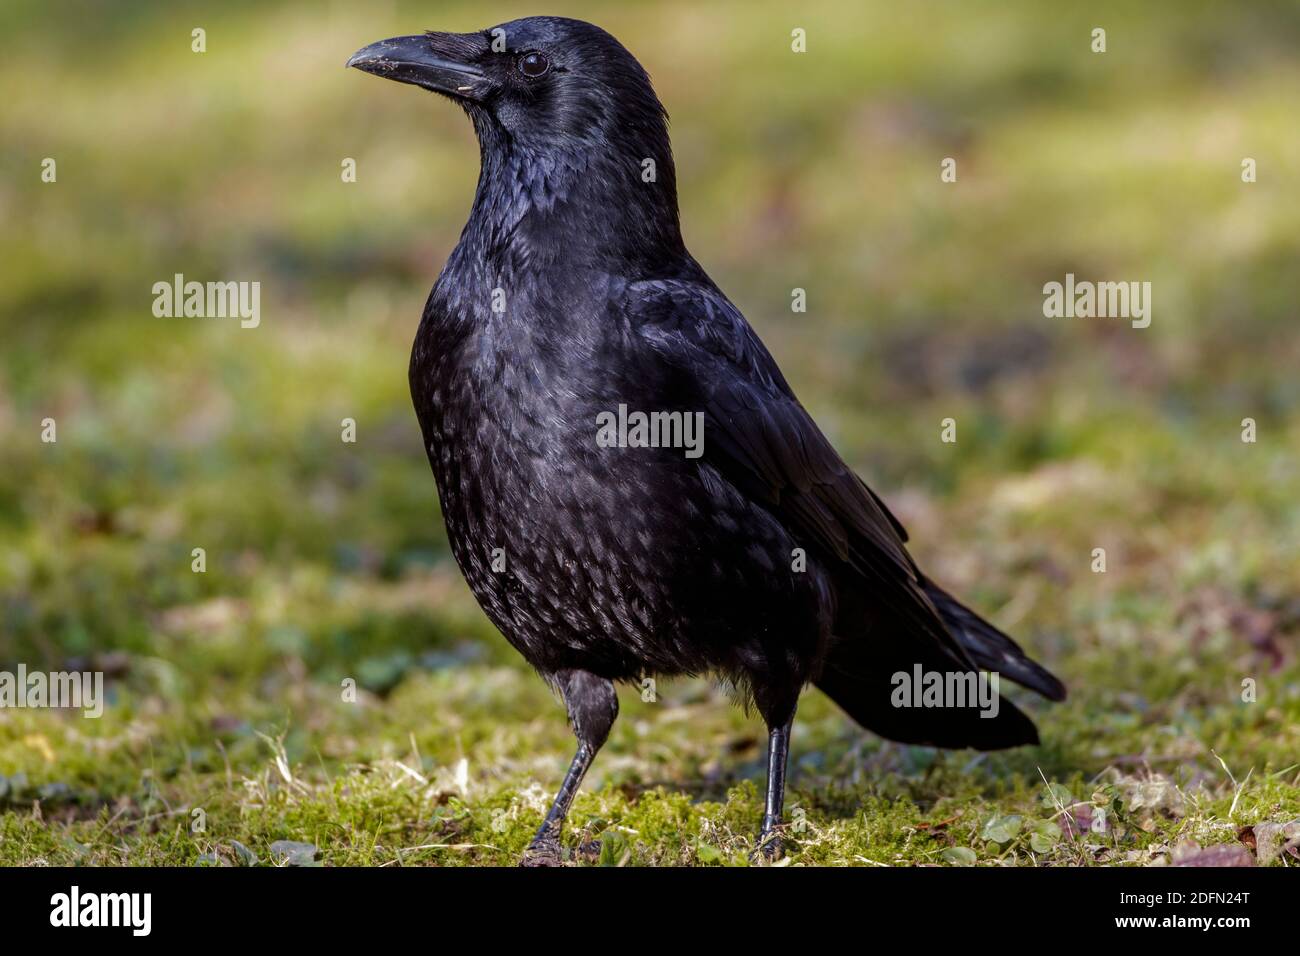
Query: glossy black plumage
(571, 293)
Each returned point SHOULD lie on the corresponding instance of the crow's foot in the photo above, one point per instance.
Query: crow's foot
(769, 848)
(543, 852)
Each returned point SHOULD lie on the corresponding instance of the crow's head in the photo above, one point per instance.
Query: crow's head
(541, 82)
(570, 130)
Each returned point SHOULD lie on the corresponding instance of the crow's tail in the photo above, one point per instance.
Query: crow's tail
(869, 670)
(990, 648)
(876, 652)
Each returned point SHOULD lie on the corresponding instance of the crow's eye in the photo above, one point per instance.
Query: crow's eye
(533, 65)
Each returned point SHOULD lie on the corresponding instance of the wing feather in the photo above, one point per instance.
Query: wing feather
(763, 441)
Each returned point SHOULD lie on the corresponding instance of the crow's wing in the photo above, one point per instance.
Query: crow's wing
(761, 439)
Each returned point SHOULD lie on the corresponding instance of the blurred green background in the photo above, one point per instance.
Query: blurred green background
(820, 171)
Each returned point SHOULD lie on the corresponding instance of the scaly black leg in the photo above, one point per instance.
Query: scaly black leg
(593, 705)
(547, 841)
(778, 749)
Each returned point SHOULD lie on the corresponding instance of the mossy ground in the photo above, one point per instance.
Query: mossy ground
(327, 561)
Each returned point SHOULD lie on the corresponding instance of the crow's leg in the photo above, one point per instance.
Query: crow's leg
(776, 695)
(592, 704)
(778, 748)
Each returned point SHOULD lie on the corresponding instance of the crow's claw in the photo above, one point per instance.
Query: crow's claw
(543, 852)
(769, 848)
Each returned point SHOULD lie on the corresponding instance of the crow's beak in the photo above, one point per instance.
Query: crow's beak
(428, 61)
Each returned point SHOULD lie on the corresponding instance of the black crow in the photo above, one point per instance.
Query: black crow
(563, 357)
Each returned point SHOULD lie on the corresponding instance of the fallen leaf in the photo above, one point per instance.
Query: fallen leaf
(938, 824)
(1270, 840)
(1247, 836)
(1223, 854)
